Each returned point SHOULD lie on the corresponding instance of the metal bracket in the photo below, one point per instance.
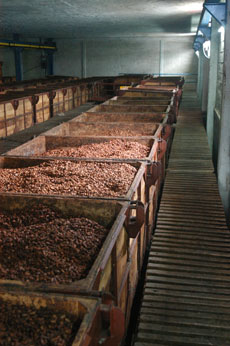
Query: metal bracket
(50, 62)
(171, 118)
(64, 92)
(35, 99)
(15, 104)
(115, 319)
(162, 146)
(206, 31)
(52, 95)
(89, 86)
(199, 40)
(217, 11)
(153, 173)
(133, 224)
(166, 131)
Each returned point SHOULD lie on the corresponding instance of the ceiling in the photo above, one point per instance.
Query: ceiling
(97, 18)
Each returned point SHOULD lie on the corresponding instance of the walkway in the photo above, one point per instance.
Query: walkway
(186, 299)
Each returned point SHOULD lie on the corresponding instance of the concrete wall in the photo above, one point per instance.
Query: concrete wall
(217, 111)
(67, 59)
(223, 167)
(108, 57)
(220, 72)
(31, 62)
(7, 56)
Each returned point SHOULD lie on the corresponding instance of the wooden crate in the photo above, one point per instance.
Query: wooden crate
(59, 103)
(77, 95)
(121, 108)
(97, 320)
(141, 189)
(176, 81)
(84, 93)
(144, 93)
(148, 102)
(93, 116)
(107, 129)
(110, 271)
(42, 107)
(15, 115)
(41, 144)
(136, 191)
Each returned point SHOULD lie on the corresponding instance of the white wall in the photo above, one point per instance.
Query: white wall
(109, 57)
(220, 72)
(67, 59)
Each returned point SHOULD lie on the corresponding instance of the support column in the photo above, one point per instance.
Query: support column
(205, 84)
(161, 58)
(18, 63)
(200, 76)
(18, 60)
(83, 59)
(212, 82)
(50, 64)
(224, 146)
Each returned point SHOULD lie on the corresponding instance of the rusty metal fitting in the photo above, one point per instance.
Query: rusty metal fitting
(153, 173)
(162, 146)
(133, 224)
(166, 132)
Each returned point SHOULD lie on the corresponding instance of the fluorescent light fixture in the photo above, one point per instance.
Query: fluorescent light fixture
(206, 48)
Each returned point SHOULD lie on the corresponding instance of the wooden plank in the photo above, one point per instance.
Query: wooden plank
(208, 254)
(217, 333)
(209, 245)
(180, 288)
(209, 236)
(178, 340)
(192, 228)
(193, 222)
(198, 249)
(202, 317)
(173, 303)
(178, 253)
(189, 269)
(208, 278)
(200, 217)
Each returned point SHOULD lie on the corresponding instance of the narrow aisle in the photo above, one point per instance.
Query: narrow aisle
(186, 298)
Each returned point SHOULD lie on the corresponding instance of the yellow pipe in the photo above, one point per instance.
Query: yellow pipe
(8, 44)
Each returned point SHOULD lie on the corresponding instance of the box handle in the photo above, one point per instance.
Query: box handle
(153, 173)
(133, 224)
(162, 146)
